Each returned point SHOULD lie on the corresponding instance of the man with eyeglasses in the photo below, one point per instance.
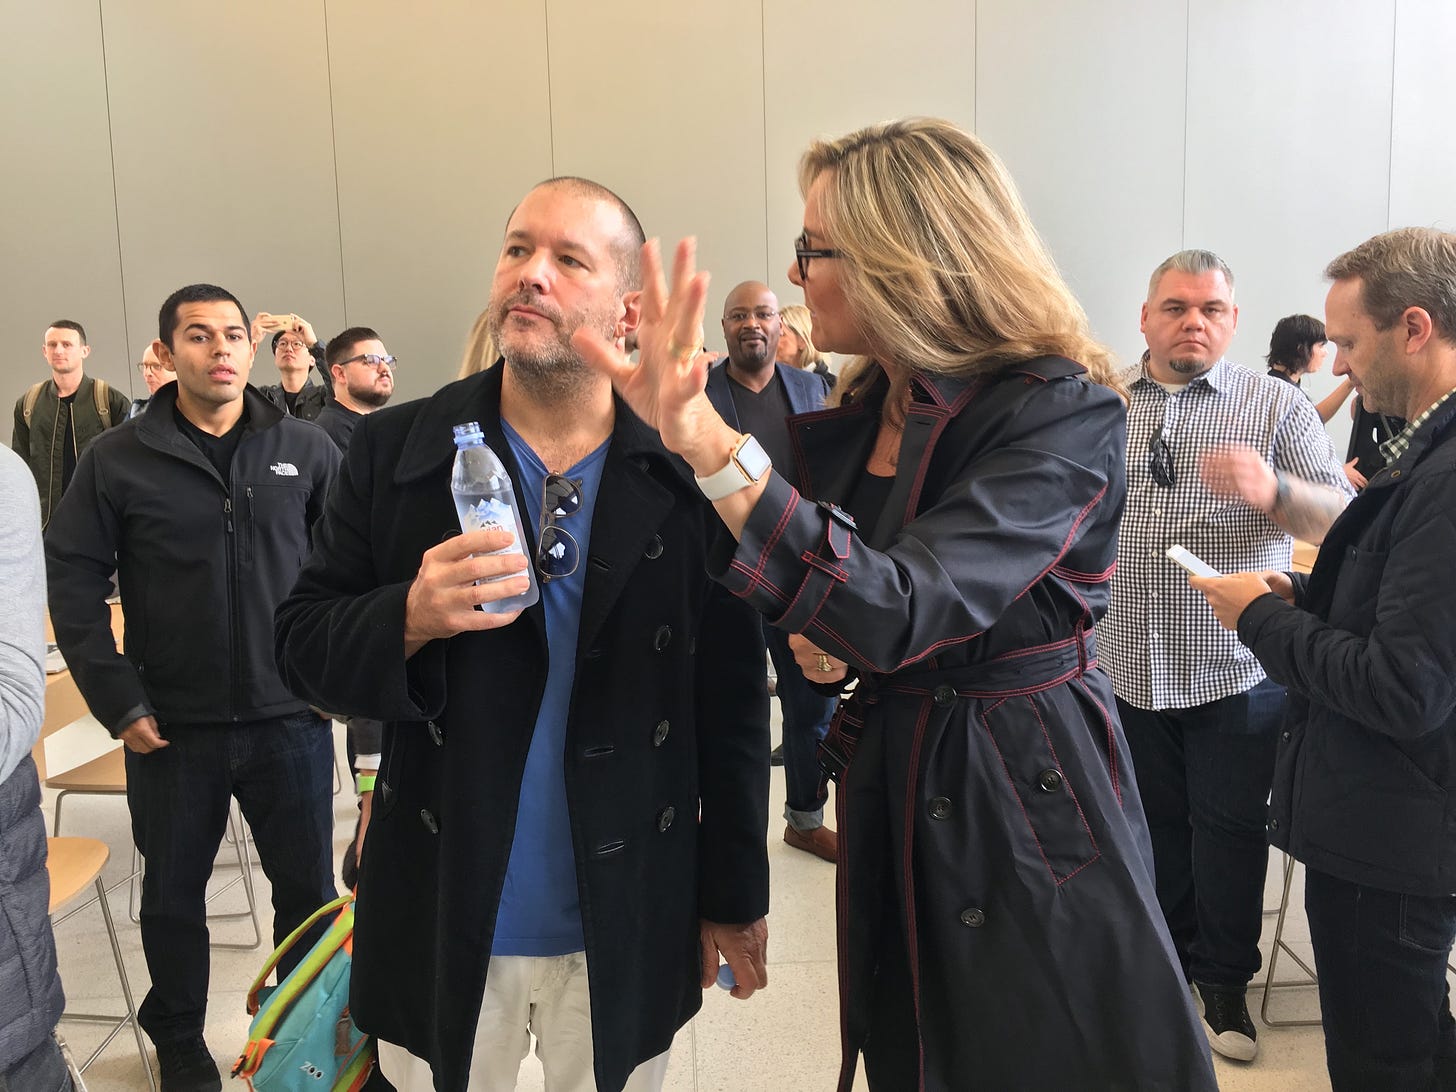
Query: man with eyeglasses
(579, 785)
(155, 374)
(1229, 464)
(756, 394)
(296, 348)
(363, 375)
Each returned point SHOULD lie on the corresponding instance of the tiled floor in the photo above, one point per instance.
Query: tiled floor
(784, 1038)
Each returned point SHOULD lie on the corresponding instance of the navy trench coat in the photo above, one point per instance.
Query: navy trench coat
(994, 859)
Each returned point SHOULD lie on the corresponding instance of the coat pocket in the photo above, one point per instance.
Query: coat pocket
(1041, 788)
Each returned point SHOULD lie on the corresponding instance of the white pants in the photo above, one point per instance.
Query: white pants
(545, 996)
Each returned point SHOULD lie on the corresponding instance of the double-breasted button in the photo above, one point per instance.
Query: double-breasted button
(436, 734)
(659, 734)
(431, 823)
(945, 694)
(1285, 736)
(661, 638)
(1273, 824)
(973, 916)
(665, 818)
(940, 807)
(1049, 780)
(654, 548)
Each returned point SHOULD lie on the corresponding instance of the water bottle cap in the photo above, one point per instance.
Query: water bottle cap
(468, 434)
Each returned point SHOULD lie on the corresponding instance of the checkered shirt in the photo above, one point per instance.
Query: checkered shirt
(1160, 642)
(1397, 446)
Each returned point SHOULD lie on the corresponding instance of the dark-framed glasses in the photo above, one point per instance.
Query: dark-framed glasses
(1160, 460)
(373, 360)
(285, 343)
(803, 252)
(151, 366)
(764, 315)
(557, 552)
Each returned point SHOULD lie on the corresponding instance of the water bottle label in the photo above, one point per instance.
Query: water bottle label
(489, 514)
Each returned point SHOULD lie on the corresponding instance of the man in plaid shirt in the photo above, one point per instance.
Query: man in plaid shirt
(1229, 464)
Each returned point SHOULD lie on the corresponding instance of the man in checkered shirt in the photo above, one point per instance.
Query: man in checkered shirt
(1229, 464)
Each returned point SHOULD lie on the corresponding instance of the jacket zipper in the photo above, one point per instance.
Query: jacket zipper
(232, 564)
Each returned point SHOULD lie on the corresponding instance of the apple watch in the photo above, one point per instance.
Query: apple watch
(747, 466)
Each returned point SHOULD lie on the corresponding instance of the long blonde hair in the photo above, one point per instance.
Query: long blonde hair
(939, 262)
(480, 350)
(797, 318)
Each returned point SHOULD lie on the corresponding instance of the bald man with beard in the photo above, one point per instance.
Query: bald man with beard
(756, 394)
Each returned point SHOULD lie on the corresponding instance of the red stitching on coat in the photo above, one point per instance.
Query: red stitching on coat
(1012, 784)
(1084, 578)
(755, 580)
(907, 867)
(1112, 769)
(1066, 784)
(773, 539)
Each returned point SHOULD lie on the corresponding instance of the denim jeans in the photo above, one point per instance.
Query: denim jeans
(42, 1070)
(807, 714)
(281, 772)
(1204, 774)
(1384, 1000)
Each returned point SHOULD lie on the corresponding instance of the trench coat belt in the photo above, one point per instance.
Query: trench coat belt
(1012, 674)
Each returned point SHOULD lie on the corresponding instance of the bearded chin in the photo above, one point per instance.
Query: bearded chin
(1189, 365)
(550, 370)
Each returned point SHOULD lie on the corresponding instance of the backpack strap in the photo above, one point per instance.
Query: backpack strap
(101, 391)
(342, 903)
(31, 397)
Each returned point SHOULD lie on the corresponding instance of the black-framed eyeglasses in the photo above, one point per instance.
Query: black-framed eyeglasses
(373, 360)
(285, 343)
(1160, 460)
(803, 252)
(557, 552)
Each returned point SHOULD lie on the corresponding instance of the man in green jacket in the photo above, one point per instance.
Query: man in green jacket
(56, 418)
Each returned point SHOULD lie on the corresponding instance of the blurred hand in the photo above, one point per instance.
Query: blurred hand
(1230, 596)
(1353, 475)
(442, 598)
(1240, 472)
(143, 735)
(808, 656)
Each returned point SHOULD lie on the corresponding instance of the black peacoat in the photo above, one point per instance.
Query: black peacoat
(665, 762)
(998, 926)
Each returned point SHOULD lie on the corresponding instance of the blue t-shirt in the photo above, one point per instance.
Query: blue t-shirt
(540, 909)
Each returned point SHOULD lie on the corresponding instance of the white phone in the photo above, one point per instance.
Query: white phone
(1179, 555)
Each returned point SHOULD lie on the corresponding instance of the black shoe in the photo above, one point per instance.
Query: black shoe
(1226, 1022)
(187, 1066)
(776, 756)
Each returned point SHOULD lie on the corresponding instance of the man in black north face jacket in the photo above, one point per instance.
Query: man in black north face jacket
(203, 508)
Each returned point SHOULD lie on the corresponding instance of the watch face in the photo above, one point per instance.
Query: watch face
(753, 459)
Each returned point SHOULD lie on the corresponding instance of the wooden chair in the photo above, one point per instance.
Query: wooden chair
(75, 864)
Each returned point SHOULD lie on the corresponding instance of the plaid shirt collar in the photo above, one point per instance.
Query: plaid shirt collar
(1397, 446)
(1216, 376)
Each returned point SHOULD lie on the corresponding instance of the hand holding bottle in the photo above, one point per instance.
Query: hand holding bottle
(455, 576)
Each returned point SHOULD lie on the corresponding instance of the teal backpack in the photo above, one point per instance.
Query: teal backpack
(302, 1036)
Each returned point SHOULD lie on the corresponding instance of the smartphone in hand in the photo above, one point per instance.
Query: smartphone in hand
(1190, 561)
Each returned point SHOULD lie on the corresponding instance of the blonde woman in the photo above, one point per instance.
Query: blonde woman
(796, 343)
(998, 923)
(480, 351)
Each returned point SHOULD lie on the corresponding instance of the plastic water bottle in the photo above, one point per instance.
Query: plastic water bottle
(484, 500)
(726, 980)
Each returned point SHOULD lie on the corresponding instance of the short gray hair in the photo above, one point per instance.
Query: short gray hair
(1195, 262)
(1408, 267)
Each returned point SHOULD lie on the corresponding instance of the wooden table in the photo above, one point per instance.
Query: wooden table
(63, 702)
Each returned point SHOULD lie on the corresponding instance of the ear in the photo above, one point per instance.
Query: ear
(1416, 321)
(164, 354)
(85, 351)
(631, 314)
(1235, 324)
(1143, 320)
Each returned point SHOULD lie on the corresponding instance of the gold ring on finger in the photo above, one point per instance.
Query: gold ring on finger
(824, 667)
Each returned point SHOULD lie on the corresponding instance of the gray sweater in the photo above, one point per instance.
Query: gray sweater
(22, 613)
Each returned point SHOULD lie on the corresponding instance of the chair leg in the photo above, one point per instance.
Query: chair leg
(1270, 984)
(245, 877)
(115, 1022)
(133, 900)
(78, 1082)
(56, 822)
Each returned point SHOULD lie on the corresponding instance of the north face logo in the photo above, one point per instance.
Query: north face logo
(284, 470)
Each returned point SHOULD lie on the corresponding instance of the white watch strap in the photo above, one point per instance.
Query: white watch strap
(729, 480)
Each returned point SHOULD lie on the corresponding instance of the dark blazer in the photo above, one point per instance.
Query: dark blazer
(669, 716)
(987, 795)
(806, 390)
(1365, 779)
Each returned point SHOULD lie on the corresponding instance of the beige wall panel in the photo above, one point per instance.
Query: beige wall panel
(442, 122)
(662, 100)
(833, 66)
(224, 157)
(1288, 159)
(58, 250)
(1088, 117)
(1423, 144)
